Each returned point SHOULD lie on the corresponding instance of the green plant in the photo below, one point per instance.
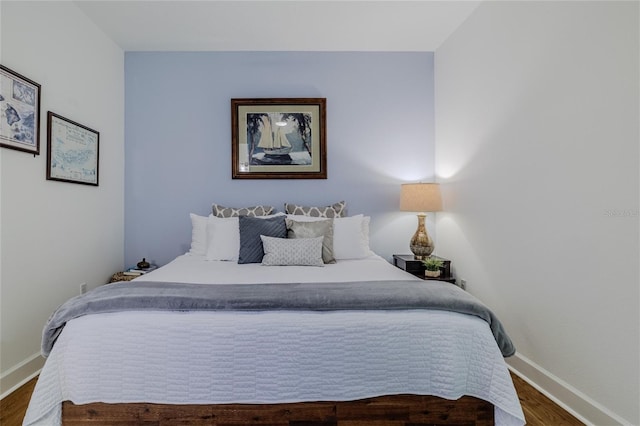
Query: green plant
(432, 263)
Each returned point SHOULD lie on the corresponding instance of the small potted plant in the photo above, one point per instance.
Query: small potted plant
(432, 267)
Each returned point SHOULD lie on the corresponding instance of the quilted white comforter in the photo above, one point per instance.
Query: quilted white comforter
(271, 357)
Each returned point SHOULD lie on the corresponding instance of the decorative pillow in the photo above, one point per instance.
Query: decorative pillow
(290, 252)
(223, 238)
(335, 210)
(251, 228)
(351, 237)
(320, 228)
(198, 234)
(221, 211)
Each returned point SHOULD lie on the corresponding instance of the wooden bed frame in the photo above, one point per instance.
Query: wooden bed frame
(394, 410)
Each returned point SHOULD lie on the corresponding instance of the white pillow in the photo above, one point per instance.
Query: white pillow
(292, 251)
(351, 237)
(198, 234)
(223, 238)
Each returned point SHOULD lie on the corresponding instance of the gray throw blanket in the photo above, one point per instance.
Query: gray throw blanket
(366, 295)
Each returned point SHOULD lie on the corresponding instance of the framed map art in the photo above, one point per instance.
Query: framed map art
(19, 112)
(72, 151)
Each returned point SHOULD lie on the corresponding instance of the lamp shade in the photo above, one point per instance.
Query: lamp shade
(420, 197)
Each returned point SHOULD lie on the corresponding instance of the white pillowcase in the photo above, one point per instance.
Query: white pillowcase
(223, 238)
(199, 234)
(350, 235)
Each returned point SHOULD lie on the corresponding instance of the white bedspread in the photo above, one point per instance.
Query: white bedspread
(271, 357)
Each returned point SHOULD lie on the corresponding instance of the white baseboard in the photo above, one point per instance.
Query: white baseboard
(566, 396)
(20, 374)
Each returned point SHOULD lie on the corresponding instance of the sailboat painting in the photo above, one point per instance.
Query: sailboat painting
(282, 138)
(278, 138)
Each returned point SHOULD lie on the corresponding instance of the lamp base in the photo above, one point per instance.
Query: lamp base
(421, 244)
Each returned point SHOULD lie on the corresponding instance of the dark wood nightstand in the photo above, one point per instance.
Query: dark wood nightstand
(408, 263)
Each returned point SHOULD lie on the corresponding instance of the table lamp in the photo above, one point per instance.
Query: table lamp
(421, 197)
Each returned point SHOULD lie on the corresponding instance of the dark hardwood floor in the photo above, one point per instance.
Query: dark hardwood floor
(538, 409)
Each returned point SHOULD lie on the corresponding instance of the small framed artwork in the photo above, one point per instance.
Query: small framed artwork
(19, 112)
(278, 138)
(72, 151)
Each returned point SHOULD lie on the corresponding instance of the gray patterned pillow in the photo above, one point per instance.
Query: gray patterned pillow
(251, 228)
(336, 210)
(222, 211)
(287, 252)
(314, 229)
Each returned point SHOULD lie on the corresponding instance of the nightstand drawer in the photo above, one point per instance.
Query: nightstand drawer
(408, 263)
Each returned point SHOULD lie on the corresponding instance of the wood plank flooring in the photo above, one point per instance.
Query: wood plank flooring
(14, 406)
(538, 409)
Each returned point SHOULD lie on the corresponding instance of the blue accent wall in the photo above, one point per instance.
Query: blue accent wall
(380, 133)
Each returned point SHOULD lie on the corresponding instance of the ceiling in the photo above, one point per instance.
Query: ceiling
(264, 25)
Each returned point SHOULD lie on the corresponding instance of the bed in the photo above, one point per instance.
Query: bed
(278, 367)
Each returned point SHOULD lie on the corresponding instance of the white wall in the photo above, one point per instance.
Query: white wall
(537, 149)
(56, 235)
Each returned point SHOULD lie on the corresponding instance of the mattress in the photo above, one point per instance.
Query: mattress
(196, 269)
(275, 356)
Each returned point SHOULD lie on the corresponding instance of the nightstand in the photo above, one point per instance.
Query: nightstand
(408, 263)
(120, 276)
(125, 276)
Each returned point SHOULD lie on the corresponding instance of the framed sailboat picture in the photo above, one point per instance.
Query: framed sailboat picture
(278, 138)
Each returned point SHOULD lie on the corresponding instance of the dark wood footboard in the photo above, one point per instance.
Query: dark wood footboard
(394, 410)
